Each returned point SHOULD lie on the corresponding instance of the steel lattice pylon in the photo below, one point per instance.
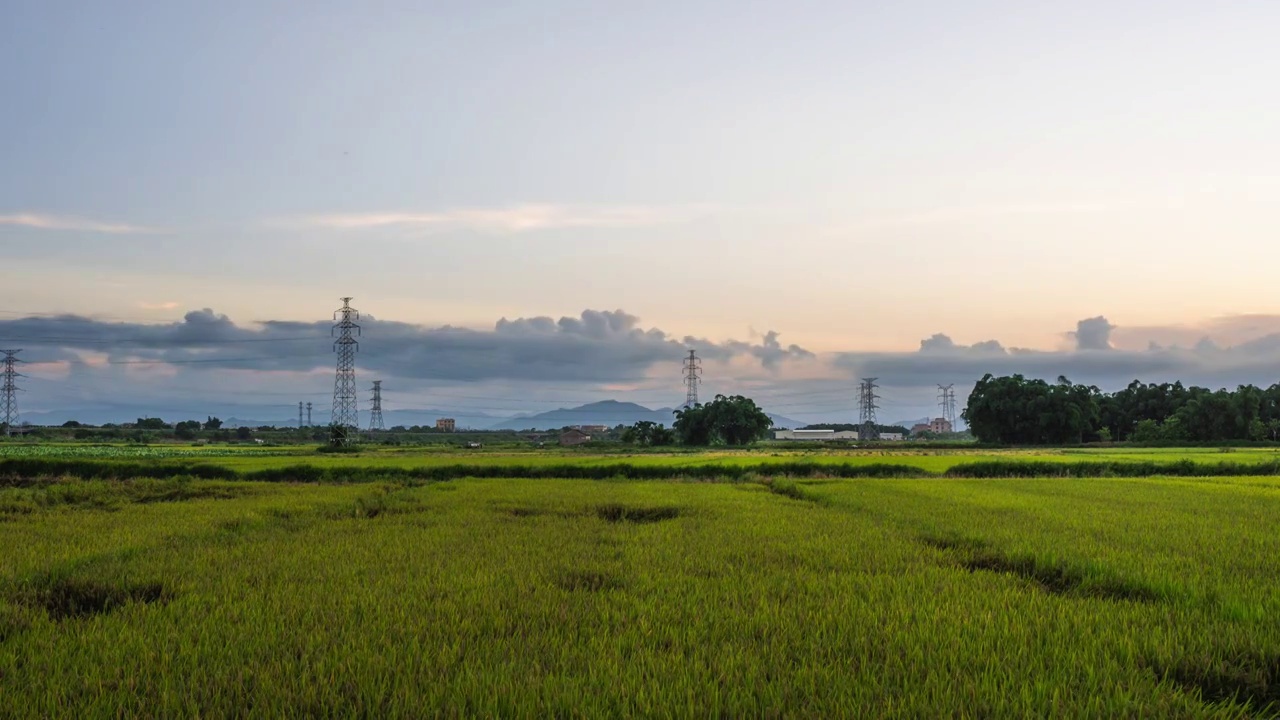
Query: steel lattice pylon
(867, 409)
(947, 399)
(344, 414)
(692, 376)
(9, 391)
(375, 415)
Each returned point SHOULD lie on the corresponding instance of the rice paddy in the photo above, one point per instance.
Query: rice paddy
(761, 595)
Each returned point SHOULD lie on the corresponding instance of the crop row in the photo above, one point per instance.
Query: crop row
(17, 469)
(109, 452)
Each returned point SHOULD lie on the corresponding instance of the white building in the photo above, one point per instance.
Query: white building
(814, 435)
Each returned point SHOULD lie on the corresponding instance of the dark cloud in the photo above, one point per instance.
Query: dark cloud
(943, 344)
(1093, 334)
(769, 352)
(597, 346)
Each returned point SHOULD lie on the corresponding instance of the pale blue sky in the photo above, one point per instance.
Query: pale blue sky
(854, 175)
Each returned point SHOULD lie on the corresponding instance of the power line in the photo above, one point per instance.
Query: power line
(345, 414)
(9, 391)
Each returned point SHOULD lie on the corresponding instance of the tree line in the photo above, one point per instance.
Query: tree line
(732, 420)
(1014, 410)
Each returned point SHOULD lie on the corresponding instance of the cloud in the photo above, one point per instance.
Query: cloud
(58, 222)
(512, 219)
(595, 346)
(1093, 360)
(158, 306)
(1093, 334)
(206, 358)
(1227, 330)
(769, 352)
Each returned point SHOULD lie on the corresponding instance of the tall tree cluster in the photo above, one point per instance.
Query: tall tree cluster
(1014, 410)
(734, 420)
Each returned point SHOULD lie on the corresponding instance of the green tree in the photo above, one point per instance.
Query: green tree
(150, 424)
(647, 432)
(212, 423)
(733, 420)
(186, 430)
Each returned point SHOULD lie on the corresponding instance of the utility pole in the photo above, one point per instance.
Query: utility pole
(947, 399)
(308, 414)
(375, 415)
(867, 409)
(9, 390)
(692, 376)
(344, 413)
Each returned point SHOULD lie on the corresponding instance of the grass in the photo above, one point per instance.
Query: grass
(1097, 597)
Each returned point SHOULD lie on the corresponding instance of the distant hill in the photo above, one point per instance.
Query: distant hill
(606, 412)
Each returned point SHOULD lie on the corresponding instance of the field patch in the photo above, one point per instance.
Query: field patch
(592, 581)
(1249, 679)
(616, 513)
(1051, 576)
(68, 598)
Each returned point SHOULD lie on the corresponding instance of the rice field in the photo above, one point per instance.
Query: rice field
(1102, 597)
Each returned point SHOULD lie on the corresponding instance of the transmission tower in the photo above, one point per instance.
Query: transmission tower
(344, 413)
(9, 391)
(867, 409)
(692, 376)
(375, 415)
(947, 399)
(299, 414)
(308, 414)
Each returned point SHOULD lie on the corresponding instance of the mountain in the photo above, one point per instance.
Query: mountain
(607, 412)
(780, 422)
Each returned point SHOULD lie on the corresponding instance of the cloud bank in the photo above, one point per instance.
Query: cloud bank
(596, 346)
(598, 354)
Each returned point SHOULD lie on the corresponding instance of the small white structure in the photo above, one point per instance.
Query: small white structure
(814, 435)
(891, 437)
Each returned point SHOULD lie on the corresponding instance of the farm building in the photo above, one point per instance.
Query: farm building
(814, 435)
(573, 436)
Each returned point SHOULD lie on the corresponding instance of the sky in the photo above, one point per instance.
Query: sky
(809, 191)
